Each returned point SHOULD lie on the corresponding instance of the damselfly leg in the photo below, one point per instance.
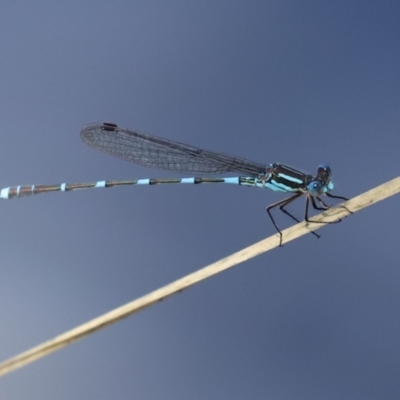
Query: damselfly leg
(282, 204)
(323, 208)
(340, 198)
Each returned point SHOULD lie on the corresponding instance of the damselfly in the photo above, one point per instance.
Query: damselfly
(152, 151)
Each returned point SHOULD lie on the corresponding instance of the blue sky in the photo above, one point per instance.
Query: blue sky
(300, 83)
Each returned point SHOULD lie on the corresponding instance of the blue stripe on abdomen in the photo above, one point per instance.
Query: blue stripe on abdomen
(290, 178)
(234, 181)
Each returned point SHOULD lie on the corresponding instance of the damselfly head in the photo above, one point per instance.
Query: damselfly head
(321, 183)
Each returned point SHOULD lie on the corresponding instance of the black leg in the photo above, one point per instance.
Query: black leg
(326, 206)
(281, 203)
(336, 197)
(314, 204)
(341, 198)
(282, 208)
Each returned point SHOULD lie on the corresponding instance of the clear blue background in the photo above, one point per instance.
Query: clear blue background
(296, 82)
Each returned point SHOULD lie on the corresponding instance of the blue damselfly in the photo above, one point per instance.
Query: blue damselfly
(154, 152)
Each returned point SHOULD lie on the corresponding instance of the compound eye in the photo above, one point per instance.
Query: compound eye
(314, 188)
(316, 185)
(324, 170)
